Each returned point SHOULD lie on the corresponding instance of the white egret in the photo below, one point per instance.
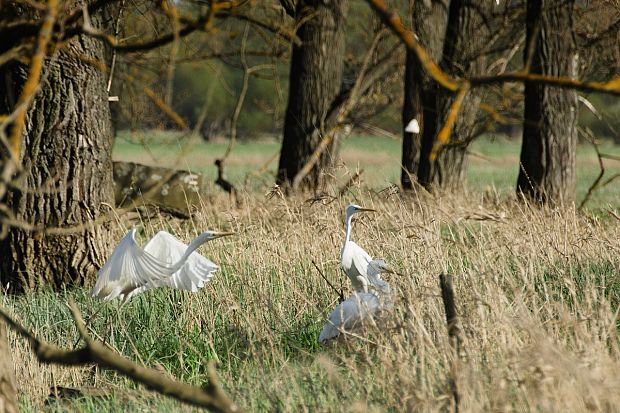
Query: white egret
(359, 266)
(359, 310)
(372, 294)
(164, 262)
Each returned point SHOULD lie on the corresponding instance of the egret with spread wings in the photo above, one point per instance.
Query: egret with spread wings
(163, 262)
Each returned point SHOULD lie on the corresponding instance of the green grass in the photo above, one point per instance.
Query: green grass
(534, 281)
(493, 164)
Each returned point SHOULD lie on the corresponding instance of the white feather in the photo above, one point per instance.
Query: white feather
(165, 261)
(350, 315)
(193, 275)
(363, 271)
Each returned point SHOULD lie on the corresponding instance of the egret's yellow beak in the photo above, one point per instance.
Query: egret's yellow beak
(222, 234)
(367, 210)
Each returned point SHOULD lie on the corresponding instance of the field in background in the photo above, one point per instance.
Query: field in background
(494, 163)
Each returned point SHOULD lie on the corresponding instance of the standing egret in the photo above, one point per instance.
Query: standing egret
(164, 262)
(357, 263)
(372, 294)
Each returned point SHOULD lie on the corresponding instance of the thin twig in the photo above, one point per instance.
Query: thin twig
(173, 15)
(117, 26)
(242, 94)
(340, 293)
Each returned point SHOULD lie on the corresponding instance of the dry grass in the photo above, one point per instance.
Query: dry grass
(538, 291)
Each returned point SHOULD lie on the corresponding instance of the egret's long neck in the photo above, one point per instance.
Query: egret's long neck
(347, 237)
(193, 246)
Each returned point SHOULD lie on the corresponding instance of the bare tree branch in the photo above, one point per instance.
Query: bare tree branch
(444, 134)
(281, 31)
(393, 21)
(461, 85)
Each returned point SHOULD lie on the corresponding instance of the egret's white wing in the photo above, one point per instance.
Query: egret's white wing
(361, 259)
(129, 267)
(193, 275)
(364, 263)
(349, 315)
(364, 272)
(356, 258)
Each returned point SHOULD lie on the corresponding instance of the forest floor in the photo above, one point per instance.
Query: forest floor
(538, 292)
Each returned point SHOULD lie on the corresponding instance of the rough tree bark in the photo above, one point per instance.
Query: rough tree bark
(464, 38)
(547, 172)
(314, 82)
(67, 167)
(429, 20)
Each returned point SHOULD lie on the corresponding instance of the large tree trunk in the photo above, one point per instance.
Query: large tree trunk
(547, 172)
(8, 390)
(429, 24)
(464, 39)
(314, 82)
(67, 166)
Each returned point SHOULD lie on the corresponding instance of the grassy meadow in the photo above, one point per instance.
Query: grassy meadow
(493, 162)
(538, 292)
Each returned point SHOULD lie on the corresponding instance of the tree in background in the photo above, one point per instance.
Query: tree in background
(321, 112)
(460, 36)
(466, 36)
(548, 152)
(64, 147)
(314, 83)
(429, 20)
